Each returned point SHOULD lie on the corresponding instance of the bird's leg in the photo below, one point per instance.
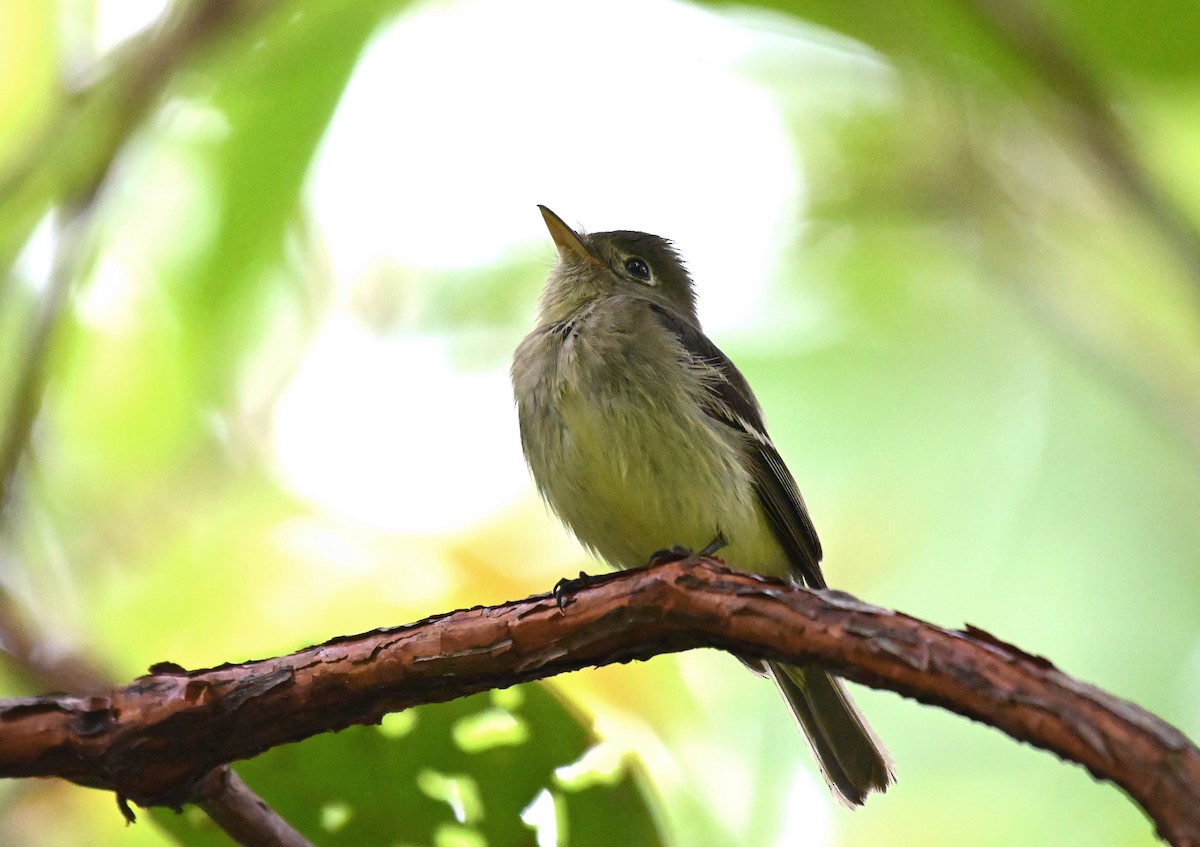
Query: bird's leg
(710, 552)
(679, 553)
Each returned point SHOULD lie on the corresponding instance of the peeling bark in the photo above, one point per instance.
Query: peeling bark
(154, 739)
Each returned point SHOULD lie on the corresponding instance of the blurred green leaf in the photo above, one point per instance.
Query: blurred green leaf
(453, 766)
(189, 288)
(1153, 40)
(254, 165)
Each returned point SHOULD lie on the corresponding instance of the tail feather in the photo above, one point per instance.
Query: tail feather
(852, 759)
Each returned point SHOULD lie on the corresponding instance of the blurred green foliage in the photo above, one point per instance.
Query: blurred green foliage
(980, 356)
(453, 773)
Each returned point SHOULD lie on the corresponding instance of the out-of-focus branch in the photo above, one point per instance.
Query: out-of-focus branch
(242, 814)
(1169, 393)
(1031, 36)
(26, 652)
(68, 163)
(152, 740)
(221, 793)
(26, 399)
(74, 151)
(66, 166)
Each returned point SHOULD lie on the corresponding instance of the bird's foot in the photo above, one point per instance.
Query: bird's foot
(565, 587)
(678, 553)
(669, 554)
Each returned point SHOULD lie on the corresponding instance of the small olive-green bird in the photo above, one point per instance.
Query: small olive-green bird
(642, 436)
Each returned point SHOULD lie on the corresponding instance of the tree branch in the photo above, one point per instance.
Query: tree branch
(1031, 36)
(241, 814)
(153, 739)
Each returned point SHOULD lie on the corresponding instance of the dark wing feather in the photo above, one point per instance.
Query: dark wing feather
(734, 405)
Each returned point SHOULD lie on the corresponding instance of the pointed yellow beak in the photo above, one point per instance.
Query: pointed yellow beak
(566, 239)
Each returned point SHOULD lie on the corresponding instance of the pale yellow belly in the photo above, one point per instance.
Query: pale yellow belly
(643, 482)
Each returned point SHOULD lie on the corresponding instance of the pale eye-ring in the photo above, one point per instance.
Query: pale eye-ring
(637, 268)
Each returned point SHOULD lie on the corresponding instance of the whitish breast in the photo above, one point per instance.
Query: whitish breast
(623, 453)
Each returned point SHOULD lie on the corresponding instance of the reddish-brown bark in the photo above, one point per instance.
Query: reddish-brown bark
(151, 741)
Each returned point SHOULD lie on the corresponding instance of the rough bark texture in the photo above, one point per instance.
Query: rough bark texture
(152, 740)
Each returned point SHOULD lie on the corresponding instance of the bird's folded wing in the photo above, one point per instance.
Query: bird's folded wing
(732, 402)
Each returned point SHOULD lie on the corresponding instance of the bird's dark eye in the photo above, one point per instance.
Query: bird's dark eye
(638, 268)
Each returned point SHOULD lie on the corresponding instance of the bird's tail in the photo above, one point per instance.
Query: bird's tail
(852, 759)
